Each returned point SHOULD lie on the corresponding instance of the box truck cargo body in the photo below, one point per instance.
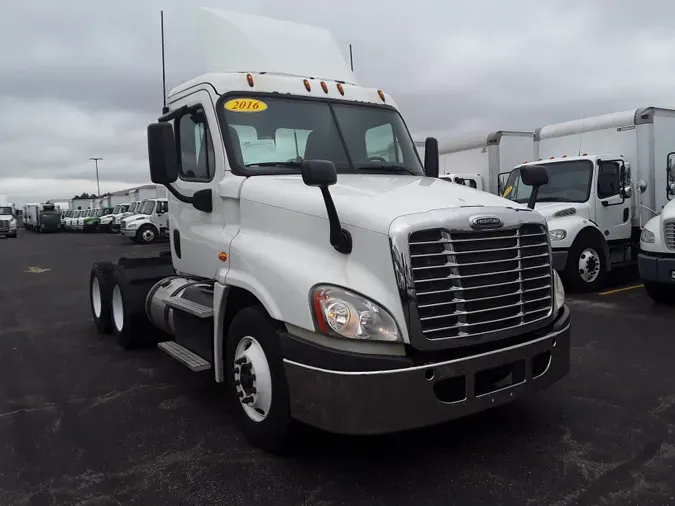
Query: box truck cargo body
(481, 158)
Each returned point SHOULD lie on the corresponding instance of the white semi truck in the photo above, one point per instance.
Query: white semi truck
(656, 260)
(149, 223)
(346, 290)
(607, 178)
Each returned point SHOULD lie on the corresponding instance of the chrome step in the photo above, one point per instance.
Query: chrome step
(187, 357)
(190, 307)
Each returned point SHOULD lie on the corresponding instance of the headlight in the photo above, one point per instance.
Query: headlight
(557, 235)
(559, 292)
(132, 225)
(342, 313)
(647, 236)
(12, 224)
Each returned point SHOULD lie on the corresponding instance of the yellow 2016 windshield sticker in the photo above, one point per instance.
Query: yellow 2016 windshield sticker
(245, 105)
(507, 191)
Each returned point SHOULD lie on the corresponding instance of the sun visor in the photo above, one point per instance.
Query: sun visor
(236, 42)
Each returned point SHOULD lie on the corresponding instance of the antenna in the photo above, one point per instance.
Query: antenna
(581, 134)
(165, 109)
(351, 58)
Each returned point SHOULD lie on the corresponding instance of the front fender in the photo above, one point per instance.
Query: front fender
(572, 225)
(280, 255)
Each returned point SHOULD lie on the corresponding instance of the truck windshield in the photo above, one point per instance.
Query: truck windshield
(148, 207)
(282, 132)
(5, 211)
(567, 182)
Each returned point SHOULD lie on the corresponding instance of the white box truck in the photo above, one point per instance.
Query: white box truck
(346, 290)
(8, 220)
(607, 177)
(478, 160)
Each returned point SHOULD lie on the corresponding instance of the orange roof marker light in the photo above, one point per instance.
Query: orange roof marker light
(324, 87)
(341, 89)
(381, 94)
(222, 256)
(249, 79)
(585, 154)
(551, 157)
(308, 87)
(564, 156)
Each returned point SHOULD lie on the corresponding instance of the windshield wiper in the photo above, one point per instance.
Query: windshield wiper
(290, 163)
(391, 168)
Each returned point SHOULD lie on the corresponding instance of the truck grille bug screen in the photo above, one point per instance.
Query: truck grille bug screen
(471, 283)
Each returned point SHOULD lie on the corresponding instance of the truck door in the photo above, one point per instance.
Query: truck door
(194, 234)
(613, 212)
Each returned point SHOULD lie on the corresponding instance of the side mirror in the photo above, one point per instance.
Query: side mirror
(319, 173)
(642, 186)
(534, 176)
(431, 157)
(322, 173)
(671, 161)
(627, 192)
(162, 153)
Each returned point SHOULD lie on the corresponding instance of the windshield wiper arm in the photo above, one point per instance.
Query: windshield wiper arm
(291, 163)
(391, 168)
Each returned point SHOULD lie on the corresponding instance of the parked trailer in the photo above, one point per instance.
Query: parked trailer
(335, 308)
(608, 177)
(478, 160)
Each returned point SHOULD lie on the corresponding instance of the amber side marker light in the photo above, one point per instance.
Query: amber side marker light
(222, 256)
(341, 89)
(249, 78)
(308, 87)
(381, 94)
(324, 87)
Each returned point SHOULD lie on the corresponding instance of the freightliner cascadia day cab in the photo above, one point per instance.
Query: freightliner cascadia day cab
(8, 220)
(322, 283)
(607, 178)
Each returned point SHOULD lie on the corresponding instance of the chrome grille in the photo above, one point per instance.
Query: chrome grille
(4, 224)
(669, 235)
(471, 283)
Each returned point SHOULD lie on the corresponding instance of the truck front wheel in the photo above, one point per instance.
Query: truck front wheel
(660, 293)
(257, 379)
(146, 234)
(586, 269)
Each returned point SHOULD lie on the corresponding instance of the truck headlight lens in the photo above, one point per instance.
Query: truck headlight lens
(647, 236)
(557, 235)
(132, 225)
(342, 313)
(559, 292)
(12, 224)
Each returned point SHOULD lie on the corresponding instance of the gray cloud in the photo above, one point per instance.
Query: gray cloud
(84, 78)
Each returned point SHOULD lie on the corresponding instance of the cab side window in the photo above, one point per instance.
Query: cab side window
(162, 207)
(195, 147)
(609, 176)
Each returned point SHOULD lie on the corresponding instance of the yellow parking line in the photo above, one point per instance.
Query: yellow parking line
(625, 289)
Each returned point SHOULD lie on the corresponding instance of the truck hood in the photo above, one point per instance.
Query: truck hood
(370, 202)
(668, 212)
(549, 209)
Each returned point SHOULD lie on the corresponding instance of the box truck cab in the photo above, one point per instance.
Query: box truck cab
(656, 261)
(7, 220)
(151, 222)
(108, 222)
(607, 177)
(323, 277)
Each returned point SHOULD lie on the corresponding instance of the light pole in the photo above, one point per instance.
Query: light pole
(98, 186)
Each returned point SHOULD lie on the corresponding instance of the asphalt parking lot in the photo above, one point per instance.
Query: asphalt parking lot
(83, 422)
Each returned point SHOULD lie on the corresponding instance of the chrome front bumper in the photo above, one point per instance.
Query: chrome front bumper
(381, 401)
(129, 232)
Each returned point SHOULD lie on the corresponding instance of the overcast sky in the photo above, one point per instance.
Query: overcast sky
(83, 78)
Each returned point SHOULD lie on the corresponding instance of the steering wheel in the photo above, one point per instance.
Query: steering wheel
(376, 159)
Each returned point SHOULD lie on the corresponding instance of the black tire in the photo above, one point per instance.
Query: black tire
(574, 281)
(133, 329)
(11, 236)
(146, 234)
(274, 432)
(661, 293)
(102, 275)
